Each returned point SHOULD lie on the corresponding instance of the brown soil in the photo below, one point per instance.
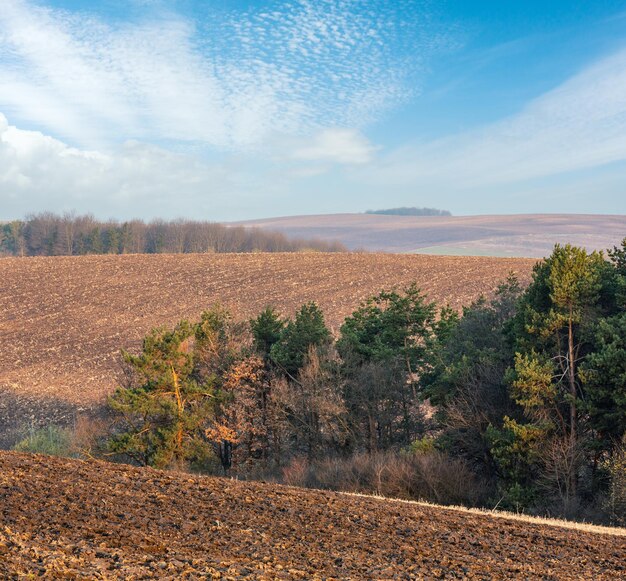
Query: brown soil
(63, 320)
(91, 520)
(72, 519)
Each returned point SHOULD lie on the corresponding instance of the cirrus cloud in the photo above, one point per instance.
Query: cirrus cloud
(578, 126)
(225, 81)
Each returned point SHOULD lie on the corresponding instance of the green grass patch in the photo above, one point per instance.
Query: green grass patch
(51, 440)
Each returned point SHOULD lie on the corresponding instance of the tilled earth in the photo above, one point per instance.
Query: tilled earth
(92, 520)
(63, 320)
(490, 235)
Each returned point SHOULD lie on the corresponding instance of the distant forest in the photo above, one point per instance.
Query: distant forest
(411, 212)
(49, 234)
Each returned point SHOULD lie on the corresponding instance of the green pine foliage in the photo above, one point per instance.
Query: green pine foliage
(390, 325)
(555, 324)
(298, 336)
(604, 378)
(164, 410)
(386, 346)
(266, 329)
(467, 383)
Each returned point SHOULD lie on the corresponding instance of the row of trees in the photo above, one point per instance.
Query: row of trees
(262, 392)
(49, 234)
(521, 399)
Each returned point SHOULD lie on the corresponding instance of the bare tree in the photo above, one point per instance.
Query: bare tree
(314, 407)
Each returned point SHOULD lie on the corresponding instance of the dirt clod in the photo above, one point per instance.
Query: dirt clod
(54, 527)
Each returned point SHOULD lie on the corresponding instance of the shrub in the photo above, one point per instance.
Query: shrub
(615, 503)
(430, 475)
(51, 440)
(297, 472)
(423, 445)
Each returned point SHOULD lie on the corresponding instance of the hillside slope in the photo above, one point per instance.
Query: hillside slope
(63, 320)
(514, 235)
(64, 518)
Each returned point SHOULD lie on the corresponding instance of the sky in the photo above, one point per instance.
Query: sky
(238, 109)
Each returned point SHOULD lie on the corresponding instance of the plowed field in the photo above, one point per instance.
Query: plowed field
(490, 235)
(69, 519)
(63, 320)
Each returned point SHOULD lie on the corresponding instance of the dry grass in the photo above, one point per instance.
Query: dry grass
(537, 520)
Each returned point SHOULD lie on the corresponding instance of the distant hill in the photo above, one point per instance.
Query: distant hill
(410, 212)
(530, 235)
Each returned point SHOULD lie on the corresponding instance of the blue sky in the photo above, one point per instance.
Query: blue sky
(233, 109)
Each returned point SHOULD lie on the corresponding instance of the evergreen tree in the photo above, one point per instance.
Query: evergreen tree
(467, 382)
(618, 260)
(266, 331)
(298, 336)
(12, 238)
(94, 244)
(604, 379)
(220, 341)
(554, 324)
(163, 411)
(386, 347)
(220, 345)
(389, 326)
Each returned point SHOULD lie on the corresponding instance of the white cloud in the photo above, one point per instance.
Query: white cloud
(577, 126)
(39, 172)
(345, 146)
(215, 116)
(284, 94)
(226, 81)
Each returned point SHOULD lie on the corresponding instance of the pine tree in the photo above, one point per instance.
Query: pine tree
(298, 336)
(386, 346)
(604, 379)
(266, 330)
(163, 411)
(556, 314)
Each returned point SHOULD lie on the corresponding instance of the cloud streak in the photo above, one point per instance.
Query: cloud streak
(236, 114)
(579, 125)
(230, 82)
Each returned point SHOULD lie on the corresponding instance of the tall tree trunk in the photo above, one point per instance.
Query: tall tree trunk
(179, 425)
(572, 408)
(371, 429)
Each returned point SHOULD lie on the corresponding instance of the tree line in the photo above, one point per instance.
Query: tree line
(519, 402)
(49, 234)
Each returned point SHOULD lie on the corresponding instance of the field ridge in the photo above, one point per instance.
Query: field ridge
(93, 519)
